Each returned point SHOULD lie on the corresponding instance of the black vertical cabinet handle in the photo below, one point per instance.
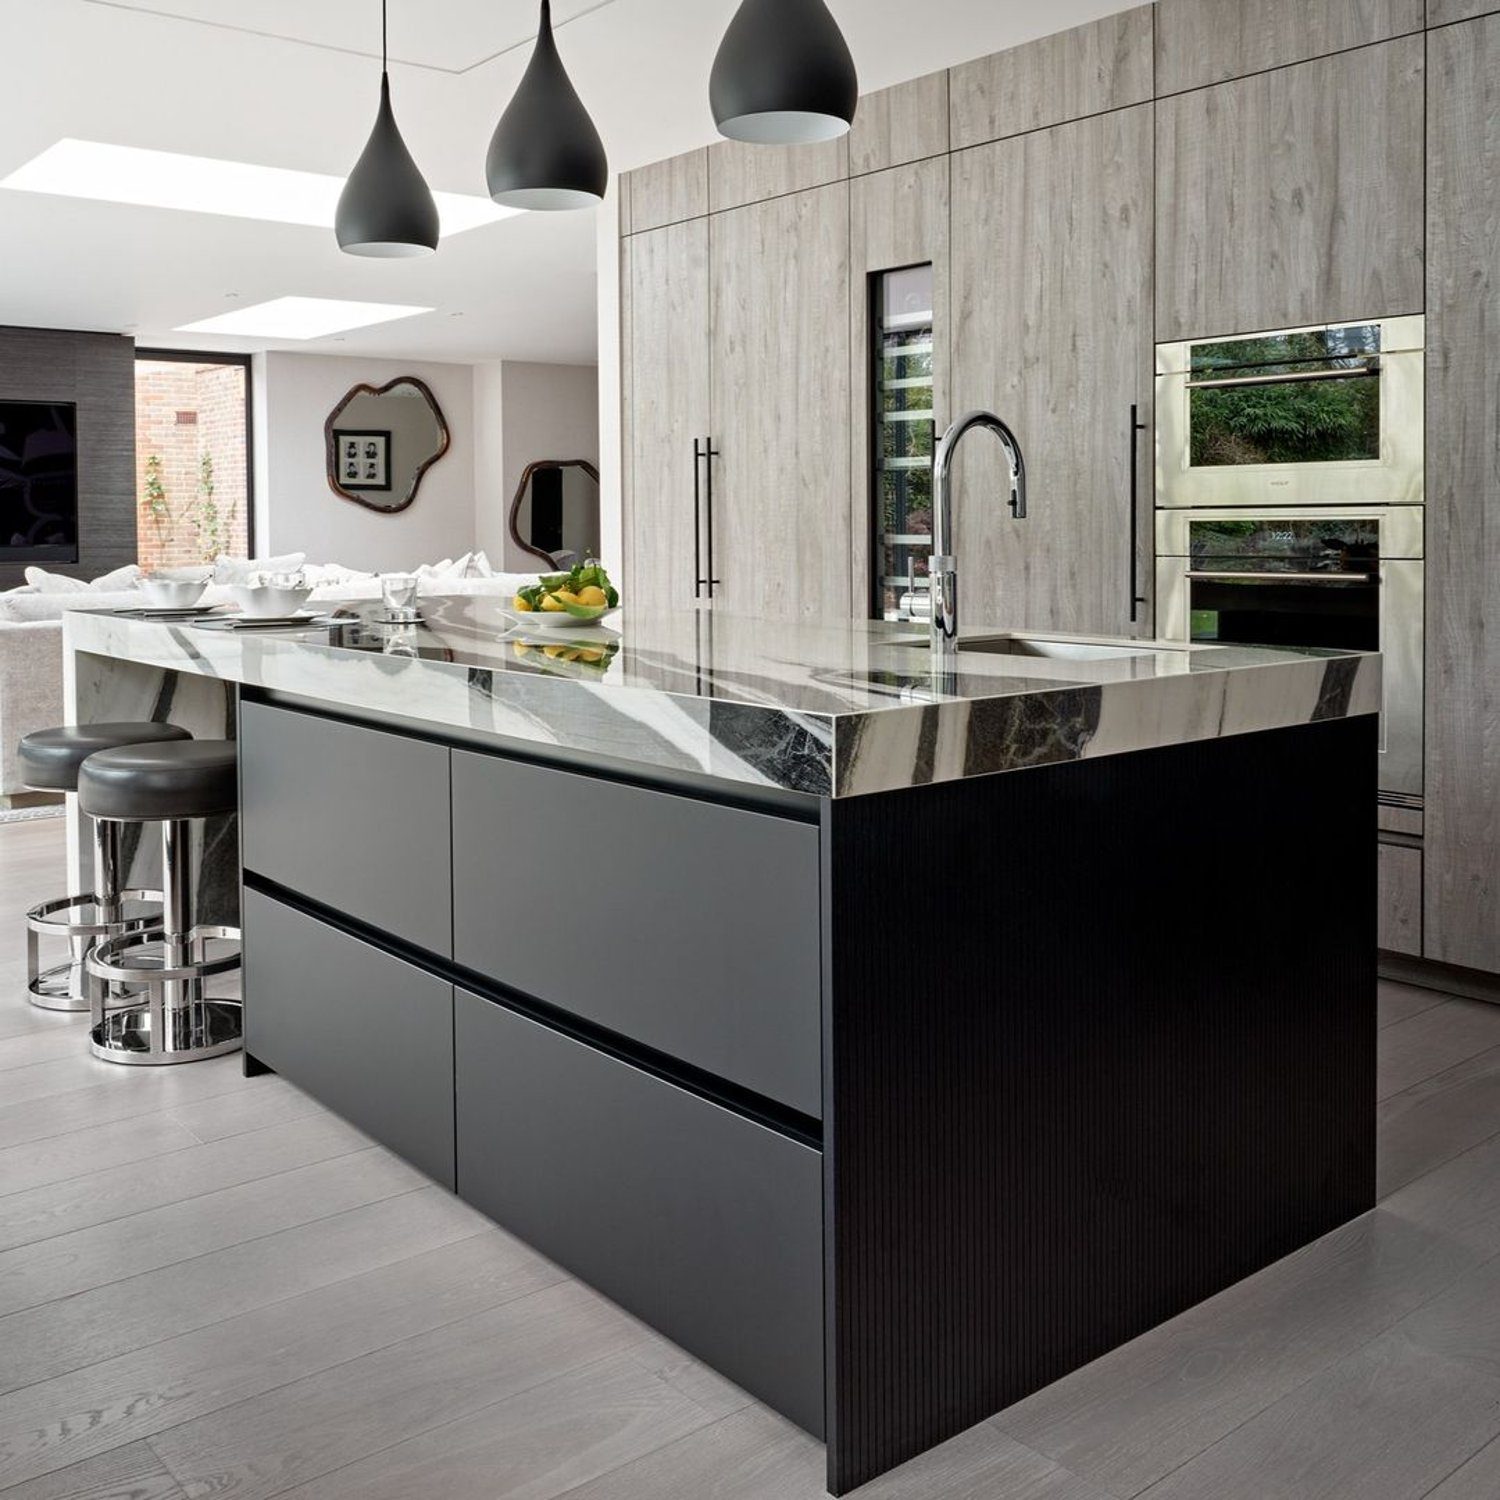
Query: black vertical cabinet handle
(698, 578)
(1137, 427)
(710, 453)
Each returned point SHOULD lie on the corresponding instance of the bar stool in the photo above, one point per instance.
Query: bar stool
(170, 784)
(50, 759)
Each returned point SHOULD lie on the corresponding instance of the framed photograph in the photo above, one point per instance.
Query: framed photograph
(363, 459)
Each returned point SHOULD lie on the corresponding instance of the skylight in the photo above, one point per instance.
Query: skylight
(205, 185)
(301, 318)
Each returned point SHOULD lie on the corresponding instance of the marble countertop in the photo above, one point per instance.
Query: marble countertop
(829, 709)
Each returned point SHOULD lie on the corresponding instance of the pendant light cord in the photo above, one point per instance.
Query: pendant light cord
(384, 62)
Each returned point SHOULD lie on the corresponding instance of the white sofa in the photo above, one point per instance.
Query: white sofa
(31, 655)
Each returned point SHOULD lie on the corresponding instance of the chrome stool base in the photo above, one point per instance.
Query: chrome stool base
(210, 1028)
(64, 986)
(189, 1026)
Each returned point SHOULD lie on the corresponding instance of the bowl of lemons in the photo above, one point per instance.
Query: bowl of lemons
(566, 601)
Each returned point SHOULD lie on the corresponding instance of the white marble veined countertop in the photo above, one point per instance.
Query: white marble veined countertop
(838, 708)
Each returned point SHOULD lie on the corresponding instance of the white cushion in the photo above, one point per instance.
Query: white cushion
(128, 577)
(320, 574)
(54, 583)
(239, 569)
(479, 565)
(43, 606)
(449, 567)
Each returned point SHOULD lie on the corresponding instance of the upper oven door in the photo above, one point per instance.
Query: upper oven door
(1306, 416)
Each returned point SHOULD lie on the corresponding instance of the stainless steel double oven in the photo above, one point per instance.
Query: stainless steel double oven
(1290, 490)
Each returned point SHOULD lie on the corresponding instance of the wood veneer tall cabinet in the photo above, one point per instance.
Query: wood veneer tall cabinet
(779, 284)
(1462, 864)
(666, 373)
(735, 327)
(1051, 286)
(1292, 197)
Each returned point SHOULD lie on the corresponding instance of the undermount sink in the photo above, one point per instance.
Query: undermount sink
(1038, 646)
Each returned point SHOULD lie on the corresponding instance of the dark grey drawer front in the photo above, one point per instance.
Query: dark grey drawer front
(687, 926)
(351, 817)
(364, 1033)
(703, 1223)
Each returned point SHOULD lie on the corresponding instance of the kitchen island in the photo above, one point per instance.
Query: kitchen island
(896, 1035)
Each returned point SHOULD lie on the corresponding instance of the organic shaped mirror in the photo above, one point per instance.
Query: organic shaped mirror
(381, 440)
(555, 513)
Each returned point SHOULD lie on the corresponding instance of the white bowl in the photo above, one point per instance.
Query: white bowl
(265, 601)
(173, 593)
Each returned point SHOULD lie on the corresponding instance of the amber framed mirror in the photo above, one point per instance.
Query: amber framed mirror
(380, 441)
(554, 514)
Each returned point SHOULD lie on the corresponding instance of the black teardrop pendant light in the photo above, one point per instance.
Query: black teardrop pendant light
(783, 75)
(386, 209)
(545, 153)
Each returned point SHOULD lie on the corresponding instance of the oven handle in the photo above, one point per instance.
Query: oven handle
(1231, 577)
(1364, 372)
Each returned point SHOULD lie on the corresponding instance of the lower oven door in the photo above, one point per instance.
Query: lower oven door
(1378, 607)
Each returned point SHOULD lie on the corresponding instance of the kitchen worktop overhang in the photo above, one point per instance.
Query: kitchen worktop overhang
(826, 709)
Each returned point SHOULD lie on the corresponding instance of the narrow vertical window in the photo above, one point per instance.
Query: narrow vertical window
(192, 457)
(902, 428)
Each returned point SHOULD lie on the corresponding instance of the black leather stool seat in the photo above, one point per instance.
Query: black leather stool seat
(194, 779)
(50, 758)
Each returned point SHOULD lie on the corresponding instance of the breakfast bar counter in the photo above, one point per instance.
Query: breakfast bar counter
(834, 709)
(894, 1033)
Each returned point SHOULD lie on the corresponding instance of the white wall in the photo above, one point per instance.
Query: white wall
(296, 510)
(491, 499)
(525, 412)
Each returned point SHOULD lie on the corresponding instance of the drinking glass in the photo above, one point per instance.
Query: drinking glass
(398, 592)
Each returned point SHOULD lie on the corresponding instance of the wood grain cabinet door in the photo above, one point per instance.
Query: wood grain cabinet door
(1207, 41)
(1051, 294)
(1293, 197)
(780, 298)
(1462, 864)
(666, 408)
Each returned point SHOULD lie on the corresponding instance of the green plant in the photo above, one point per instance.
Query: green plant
(155, 498)
(207, 521)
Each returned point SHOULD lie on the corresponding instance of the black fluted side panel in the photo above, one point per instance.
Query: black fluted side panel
(1100, 1041)
(96, 370)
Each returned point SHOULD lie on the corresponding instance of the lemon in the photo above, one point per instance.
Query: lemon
(592, 594)
(569, 598)
(588, 654)
(555, 652)
(520, 605)
(552, 604)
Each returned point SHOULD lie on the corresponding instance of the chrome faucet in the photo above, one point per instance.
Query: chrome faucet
(942, 567)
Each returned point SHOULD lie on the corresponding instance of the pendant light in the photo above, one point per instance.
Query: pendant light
(386, 209)
(783, 75)
(545, 152)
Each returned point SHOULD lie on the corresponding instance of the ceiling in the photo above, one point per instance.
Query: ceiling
(292, 83)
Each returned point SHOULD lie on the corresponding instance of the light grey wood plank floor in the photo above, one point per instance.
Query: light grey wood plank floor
(210, 1285)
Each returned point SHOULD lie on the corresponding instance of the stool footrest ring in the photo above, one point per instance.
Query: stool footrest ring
(44, 917)
(75, 919)
(108, 960)
(158, 1028)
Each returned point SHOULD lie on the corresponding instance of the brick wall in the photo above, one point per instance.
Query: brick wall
(184, 411)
